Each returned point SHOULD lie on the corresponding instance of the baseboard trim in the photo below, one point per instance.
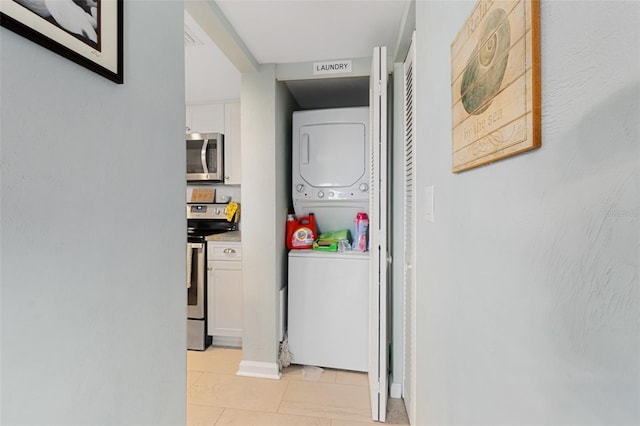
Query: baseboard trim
(263, 370)
(227, 341)
(396, 390)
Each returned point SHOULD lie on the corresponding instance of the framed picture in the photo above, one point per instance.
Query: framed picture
(495, 83)
(88, 32)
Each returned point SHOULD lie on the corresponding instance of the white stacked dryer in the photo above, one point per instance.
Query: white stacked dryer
(329, 291)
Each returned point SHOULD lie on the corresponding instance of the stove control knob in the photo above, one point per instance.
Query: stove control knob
(364, 187)
(320, 194)
(218, 211)
(299, 187)
(332, 194)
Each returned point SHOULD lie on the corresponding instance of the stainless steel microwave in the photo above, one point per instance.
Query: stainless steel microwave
(205, 154)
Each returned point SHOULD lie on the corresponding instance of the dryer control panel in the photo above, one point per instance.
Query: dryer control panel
(303, 192)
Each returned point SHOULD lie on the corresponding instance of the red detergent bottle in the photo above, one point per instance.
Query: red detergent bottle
(301, 232)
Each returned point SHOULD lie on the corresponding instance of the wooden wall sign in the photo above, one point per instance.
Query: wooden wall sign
(495, 83)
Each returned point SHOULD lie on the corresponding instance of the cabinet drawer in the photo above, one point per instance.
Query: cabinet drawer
(225, 252)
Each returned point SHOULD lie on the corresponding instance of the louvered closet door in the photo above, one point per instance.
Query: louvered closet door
(409, 231)
(378, 252)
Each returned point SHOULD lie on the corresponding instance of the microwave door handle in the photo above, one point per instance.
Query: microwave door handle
(203, 156)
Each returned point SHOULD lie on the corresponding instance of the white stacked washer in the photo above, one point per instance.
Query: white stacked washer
(328, 313)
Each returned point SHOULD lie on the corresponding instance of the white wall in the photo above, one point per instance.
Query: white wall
(285, 105)
(260, 216)
(233, 192)
(266, 109)
(92, 231)
(209, 75)
(528, 279)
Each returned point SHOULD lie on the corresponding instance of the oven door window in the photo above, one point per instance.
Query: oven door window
(196, 271)
(192, 278)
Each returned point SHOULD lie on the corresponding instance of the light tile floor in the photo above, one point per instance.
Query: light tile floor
(305, 396)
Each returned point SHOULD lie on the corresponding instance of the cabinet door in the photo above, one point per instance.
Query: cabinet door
(205, 118)
(224, 309)
(232, 143)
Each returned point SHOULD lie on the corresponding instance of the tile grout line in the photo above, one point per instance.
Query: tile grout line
(195, 381)
(283, 394)
(220, 415)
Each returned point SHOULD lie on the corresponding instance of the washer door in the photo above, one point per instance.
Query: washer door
(332, 154)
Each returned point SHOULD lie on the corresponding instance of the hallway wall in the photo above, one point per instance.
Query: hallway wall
(92, 231)
(266, 106)
(261, 267)
(528, 279)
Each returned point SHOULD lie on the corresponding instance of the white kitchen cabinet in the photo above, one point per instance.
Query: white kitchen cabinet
(232, 143)
(205, 118)
(224, 286)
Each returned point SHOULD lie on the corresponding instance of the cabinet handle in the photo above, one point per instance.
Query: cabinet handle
(188, 129)
(229, 251)
(209, 268)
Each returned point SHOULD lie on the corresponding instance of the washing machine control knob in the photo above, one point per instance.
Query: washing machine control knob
(364, 187)
(320, 194)
(299, 187)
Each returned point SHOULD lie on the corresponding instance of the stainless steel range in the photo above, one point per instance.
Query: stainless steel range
(203, 219)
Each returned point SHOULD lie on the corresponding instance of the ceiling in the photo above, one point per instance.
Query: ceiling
(286, 31)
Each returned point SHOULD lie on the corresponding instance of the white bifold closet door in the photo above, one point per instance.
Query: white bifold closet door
(378, 250)
(409, 362)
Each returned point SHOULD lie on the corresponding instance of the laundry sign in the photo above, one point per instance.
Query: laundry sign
(332, 67)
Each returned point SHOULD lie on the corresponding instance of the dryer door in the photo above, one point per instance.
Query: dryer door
(333, 155)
